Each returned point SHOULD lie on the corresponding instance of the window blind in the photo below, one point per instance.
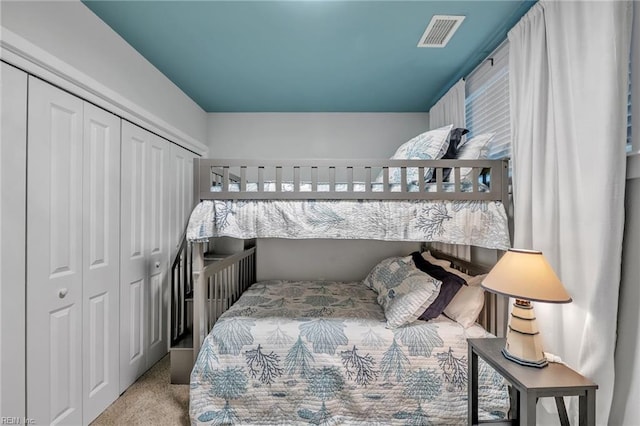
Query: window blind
(487, 101)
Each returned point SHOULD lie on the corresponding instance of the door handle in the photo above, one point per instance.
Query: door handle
(157, 265)
(62, 293)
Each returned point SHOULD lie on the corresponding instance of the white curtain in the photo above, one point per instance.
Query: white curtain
(450, 110)
(625, 409)
(568, 68)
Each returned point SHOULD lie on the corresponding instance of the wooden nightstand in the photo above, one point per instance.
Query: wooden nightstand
(528, 384)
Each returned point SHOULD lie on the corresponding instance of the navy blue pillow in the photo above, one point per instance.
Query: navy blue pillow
(454, 142)
(451, 284)
(455, 139)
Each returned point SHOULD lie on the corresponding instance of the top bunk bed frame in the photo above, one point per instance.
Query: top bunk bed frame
(489, 179)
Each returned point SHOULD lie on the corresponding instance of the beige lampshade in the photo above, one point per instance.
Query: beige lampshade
(526, 274)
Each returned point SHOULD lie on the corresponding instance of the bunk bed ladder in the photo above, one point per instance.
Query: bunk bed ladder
(203, 286)
(181, 342)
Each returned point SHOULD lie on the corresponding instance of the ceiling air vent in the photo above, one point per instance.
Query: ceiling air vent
(440, 30)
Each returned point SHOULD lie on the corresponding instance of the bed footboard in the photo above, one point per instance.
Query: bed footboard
(219, 280)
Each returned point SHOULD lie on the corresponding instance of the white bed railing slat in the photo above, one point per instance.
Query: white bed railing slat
(296, 179)
(314, 179)
(439, 179)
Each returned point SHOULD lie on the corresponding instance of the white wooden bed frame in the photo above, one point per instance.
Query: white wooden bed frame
(218, 282)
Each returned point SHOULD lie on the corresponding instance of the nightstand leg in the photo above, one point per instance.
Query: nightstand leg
(527, 409)
(562, 411)
(514, 403)
(472, 387)
(587, 408)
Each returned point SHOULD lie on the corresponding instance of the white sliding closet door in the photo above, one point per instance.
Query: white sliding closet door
(101, 260)
(144, 228)
(158, 195)
(133, 265)
(54, 255)
(73, 220)
(182, 193)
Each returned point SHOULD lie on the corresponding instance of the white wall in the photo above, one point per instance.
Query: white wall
(71, 33)
(311, 135)
(333, 260)
(316, 135)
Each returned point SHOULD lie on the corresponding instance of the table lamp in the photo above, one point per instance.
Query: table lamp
(526, 276)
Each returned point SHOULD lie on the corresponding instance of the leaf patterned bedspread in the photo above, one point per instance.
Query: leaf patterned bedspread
(319, 353)
(479, 223)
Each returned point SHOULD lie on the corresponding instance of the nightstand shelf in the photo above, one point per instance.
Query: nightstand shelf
(528, 384)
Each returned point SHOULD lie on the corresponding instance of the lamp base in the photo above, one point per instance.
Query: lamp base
(523, 345)
(538, 364)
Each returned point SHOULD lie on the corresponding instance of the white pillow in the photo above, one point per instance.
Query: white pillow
(466, 305)
(476, 148)
(426, 255)
(430, 145)
(404, 291)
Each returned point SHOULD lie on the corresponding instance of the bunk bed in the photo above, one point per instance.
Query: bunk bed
(468, 209)
(279, 352)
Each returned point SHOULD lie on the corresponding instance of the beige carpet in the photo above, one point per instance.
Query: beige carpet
(151, 400)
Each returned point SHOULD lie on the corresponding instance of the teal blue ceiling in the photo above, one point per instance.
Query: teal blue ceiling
(309, 56)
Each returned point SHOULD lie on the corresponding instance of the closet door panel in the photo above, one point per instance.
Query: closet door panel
(182, 193)
(101, 260)
(178, 171)
(54, 255)
(133, 260)
(158, 243)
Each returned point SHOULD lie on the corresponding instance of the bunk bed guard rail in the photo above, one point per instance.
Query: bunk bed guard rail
(241, 179)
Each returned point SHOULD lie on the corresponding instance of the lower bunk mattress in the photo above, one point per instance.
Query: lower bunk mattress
(319, 353)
